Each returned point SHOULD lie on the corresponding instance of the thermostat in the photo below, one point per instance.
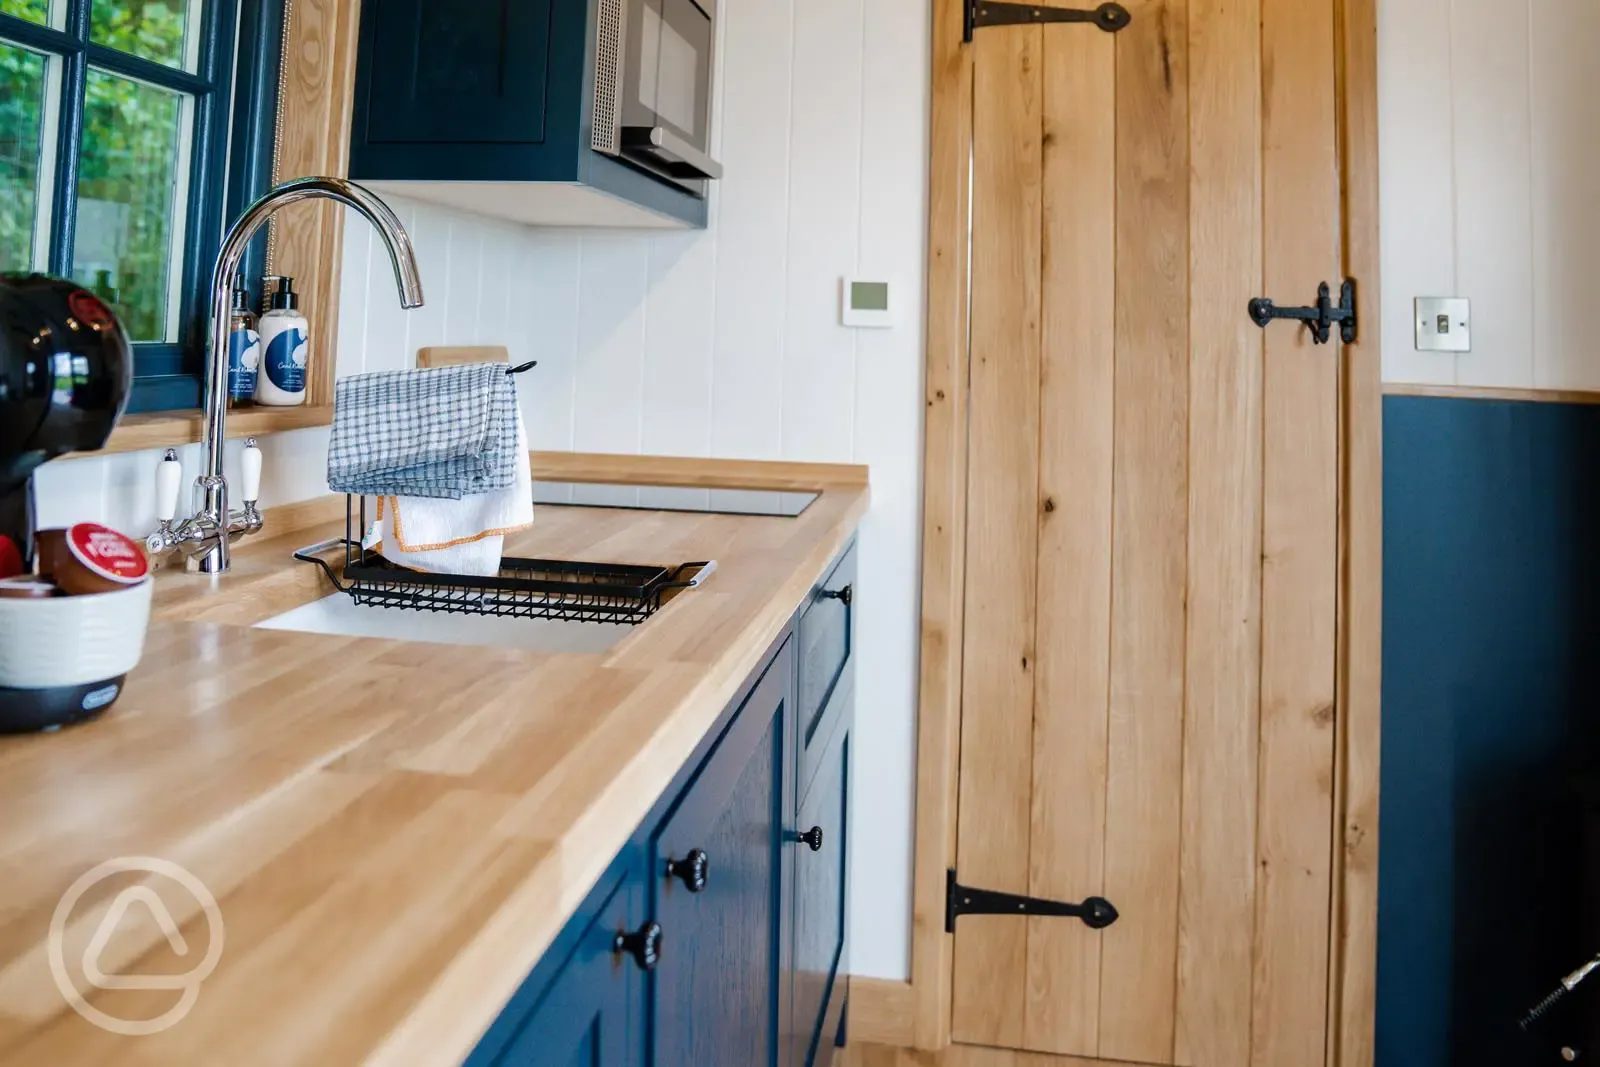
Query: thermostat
(866, 304)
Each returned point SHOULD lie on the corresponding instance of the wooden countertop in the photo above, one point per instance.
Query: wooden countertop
(393, 832)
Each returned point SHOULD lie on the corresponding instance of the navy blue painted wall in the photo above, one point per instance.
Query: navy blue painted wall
(1491, 706)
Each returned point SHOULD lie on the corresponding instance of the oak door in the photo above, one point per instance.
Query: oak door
(1151, 540)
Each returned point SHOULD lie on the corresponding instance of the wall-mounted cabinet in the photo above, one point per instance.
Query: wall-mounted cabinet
(547, 112)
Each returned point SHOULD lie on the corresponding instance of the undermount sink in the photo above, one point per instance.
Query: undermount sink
(339, 614)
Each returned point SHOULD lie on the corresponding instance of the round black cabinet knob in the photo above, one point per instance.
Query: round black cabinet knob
(812, 839)
(694, 870)
(644, 945)
(844, 596)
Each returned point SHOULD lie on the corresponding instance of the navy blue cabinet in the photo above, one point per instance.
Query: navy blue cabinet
(584, 1005)
(821, 898)
(740, 877)
(715, 999)
(488, 105)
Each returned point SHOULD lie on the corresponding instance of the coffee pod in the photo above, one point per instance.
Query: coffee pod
(97, 559)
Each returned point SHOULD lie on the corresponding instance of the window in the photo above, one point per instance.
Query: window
(115, 120)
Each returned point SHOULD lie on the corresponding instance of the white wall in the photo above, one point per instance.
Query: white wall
(717, 343)
(1489, 125)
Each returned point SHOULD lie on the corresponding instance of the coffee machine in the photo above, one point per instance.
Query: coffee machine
(65, 374)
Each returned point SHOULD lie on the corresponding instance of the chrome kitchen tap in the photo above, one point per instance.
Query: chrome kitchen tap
(205, 537)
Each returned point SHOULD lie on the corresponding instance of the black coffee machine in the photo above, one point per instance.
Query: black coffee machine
(65, 374)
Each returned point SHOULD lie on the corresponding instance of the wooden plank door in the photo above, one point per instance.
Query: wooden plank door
(1151, 541)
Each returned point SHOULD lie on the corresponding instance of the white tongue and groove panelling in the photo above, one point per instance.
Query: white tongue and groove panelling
(717, 343)
(1488, 112)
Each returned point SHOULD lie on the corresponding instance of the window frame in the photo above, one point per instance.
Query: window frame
(235, 89)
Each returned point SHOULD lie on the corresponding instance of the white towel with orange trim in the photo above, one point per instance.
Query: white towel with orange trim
(465, 536)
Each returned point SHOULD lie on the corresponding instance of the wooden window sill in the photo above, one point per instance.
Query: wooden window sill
(169, 429)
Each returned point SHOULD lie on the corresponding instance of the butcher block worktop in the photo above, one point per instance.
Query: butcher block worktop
(394, 832)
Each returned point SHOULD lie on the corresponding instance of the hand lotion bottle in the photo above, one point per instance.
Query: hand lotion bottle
(284, 337)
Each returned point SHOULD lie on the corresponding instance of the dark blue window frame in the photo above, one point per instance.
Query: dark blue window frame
(234, 117)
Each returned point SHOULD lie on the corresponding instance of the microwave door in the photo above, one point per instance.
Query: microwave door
(671, 153)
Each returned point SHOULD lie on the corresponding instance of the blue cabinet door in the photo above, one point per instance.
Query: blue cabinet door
(821, 888)
(451, 71)
(716, 991)
(592, 1012)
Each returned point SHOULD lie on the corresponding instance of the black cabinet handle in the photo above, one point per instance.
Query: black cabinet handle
(694, 870)
(812, 839)
(644, 945)
(843, 596)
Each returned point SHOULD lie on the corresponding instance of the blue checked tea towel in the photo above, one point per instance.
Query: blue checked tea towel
(441, 432)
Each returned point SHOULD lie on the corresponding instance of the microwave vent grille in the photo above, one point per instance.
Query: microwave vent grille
(607, 77)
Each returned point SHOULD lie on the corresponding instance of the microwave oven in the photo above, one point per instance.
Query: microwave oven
(653, 66)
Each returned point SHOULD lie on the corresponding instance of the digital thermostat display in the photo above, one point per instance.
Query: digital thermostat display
(866, 304)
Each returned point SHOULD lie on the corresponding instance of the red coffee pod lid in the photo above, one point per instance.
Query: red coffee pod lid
(10, 558)
(107, 553)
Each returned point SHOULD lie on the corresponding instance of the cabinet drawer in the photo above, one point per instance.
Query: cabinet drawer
(717, 888)
(820, 896)
(827, 663)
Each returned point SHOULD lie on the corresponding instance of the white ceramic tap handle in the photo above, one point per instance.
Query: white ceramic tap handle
(169, 479)
(250, 466)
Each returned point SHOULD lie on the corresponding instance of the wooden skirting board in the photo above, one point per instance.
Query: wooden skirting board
(882, 1011)
(873, 1054)
(1482, 392)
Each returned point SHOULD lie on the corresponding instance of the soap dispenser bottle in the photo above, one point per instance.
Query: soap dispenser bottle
(284, 331)
(244, 349)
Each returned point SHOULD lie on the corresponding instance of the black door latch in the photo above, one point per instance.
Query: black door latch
(1109, 17)
(1320, 319)
(1097, 913)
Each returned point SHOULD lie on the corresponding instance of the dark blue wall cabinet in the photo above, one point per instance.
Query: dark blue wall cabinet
(1491, 711)
(718, 936)
(487, 105)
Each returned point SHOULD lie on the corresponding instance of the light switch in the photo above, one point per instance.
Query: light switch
(1444, 324)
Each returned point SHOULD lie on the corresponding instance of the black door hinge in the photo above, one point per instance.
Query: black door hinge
(1097, 913)
(1109, 17)
(1319, 319)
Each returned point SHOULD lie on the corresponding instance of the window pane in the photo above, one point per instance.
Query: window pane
(132, 194)
(24, 104)
(166, 31)
(32, 10)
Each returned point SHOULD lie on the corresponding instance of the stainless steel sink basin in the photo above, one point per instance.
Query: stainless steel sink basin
(338, 614)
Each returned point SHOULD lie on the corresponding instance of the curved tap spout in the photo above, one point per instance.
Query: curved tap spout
(211, 491)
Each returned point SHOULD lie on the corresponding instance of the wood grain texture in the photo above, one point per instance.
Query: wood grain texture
(883, 1055)
(1299, 608)
(1222, 670)
(1074, 505)
(455, 355)
(394, 831)
(695, 472)
(944, 487)
(882, 1011)
(1475, 392)
(1002, 527)
(1353, 989)
(1144, 784)
(314, 139)
(169, 429)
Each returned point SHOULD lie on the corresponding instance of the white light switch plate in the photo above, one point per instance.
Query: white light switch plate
(1444, 324)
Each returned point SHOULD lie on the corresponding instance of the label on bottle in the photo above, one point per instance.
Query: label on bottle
(286, 360)
(244, 357)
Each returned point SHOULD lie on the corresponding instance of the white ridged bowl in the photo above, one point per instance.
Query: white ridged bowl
(72, 640)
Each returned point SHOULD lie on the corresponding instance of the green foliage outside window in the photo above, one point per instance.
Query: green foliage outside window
(128, 161)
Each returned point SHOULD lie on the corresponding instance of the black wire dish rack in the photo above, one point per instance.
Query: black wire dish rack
(525, 588)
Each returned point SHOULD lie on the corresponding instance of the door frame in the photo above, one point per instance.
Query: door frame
(1354, 901)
